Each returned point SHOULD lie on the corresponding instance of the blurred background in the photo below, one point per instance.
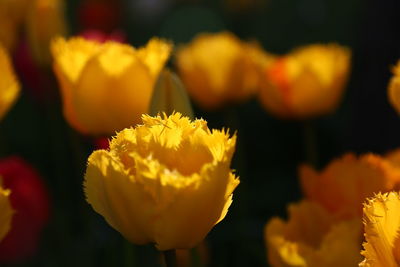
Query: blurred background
(268, 150)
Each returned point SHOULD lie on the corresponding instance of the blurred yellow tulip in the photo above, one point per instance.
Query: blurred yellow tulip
(307, 82)
(311, 237)
(12, 16)
(6, 212)
(45, 20)
(382, 226)
(343, 185)
(106, 87)
(218, 69)
(167, 181)
(9, 85)
(394, 88)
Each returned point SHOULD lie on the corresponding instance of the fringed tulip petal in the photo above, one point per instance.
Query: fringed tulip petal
(382, 225)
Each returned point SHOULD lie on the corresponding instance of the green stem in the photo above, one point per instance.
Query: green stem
(170, 258)
(195, 257)
(129, 253)
(310, 144)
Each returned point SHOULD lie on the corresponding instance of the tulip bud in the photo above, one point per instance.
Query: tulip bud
(394, 88)
(170, 95)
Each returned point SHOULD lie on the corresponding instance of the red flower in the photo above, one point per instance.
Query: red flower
(101, 143)
(30, 200)
(101, 37)
(102, 15)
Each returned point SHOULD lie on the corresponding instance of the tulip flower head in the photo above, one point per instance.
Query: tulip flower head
(6, 212)
(9, 86)
(307, 82)
(343, 185)
(106, 87)
(382, 226)
(167, 181)
(311, 237)
(217, 69)
(394, 88)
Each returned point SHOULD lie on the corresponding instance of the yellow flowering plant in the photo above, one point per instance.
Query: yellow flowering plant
(382, 226)
(167, 181)
(307, 82)
(218, 69)
(106, 87)
(9, 85)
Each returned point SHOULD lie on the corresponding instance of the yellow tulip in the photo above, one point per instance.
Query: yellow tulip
(394, 88)
(9, 86)
(218, 69)
(106, 87)
(312, 238)
(345, 183)
(166, 181)
(393, 157)
(45, 20)
(382, 226)
(307, 82)
(12, 15)
(6, 212)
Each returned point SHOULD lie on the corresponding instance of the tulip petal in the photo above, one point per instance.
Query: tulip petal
(114, 194)
(347, 182)
(381, 225)
(103, 110)
(312, 238)
(9, 86)
(199, 206)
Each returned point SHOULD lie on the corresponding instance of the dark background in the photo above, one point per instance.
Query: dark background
(268, 149)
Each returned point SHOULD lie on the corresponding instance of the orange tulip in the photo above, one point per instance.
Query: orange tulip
(394, 88)
(307, 82)
(343, 185)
